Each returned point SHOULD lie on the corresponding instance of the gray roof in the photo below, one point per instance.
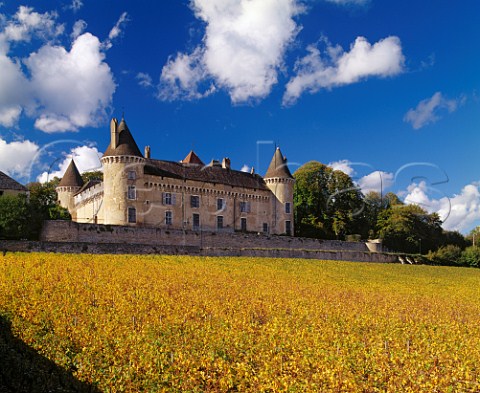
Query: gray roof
(126, 144)
(7, 183)
(71, 177)
(278, 166)
(87, 185)
(207, 174)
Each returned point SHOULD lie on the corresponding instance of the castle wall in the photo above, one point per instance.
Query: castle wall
(68, 231)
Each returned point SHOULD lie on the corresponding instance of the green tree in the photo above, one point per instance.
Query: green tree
(92, 175)
(409, 228)
(449, 254)
(327, 203)
(16, 218)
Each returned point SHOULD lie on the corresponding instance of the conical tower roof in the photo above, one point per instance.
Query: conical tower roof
(278, 166)
(192, 158)
(126, 144)
(71, 177)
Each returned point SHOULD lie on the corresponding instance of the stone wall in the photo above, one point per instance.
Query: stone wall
(69, 231)
(124, 248)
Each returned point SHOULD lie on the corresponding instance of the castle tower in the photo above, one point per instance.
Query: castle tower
(70, 184)
(123, 165)
(280, 181)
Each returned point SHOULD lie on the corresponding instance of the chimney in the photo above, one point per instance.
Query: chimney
(226, 163)
(147, 152)
(114, 133)
(252, 171)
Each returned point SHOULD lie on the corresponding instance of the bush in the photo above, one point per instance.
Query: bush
(446, 255)
(471, 256)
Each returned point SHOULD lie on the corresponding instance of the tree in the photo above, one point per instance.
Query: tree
(471, 256)
(16, 218)
(92, 175)
(409, 228)
(327, 203)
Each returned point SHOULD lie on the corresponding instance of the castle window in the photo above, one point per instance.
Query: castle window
(196, 221)
(243, 224)
(244, 207)
(132, 215)
(132, 175)
(288, 227)
(132, 193)
(220, 203)
(168, 217)
(265, 227)
(219, 222)
(194, 201)
(1, 193)
(288, 208)
(168, 198)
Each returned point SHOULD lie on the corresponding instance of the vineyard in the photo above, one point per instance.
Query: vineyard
(191, 324)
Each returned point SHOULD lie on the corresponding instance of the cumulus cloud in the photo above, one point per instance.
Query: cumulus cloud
(343, 165)
(63, 89)
(245, 168)
(241, 52)
(337, 67)
(15, 157)
(429, 110)
(73, 88)
(377, 181)
(26, 22)
(86, 159)
(458, 213)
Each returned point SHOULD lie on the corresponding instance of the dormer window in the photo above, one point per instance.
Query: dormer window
(132, 175)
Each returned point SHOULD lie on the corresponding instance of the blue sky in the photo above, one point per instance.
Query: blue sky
(380, 89)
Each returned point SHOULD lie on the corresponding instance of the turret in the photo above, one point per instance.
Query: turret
(123, 165)
(280, 181)
(70, 184)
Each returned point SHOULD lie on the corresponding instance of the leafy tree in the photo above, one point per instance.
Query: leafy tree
(327, 203)
(92, 175)
(16, 218)
(409, 228)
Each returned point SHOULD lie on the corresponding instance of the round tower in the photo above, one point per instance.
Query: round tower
(122, 165)
(70, 184)
(280, 181)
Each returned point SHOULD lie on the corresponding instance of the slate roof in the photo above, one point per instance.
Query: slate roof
(126, 144)
(278, 166)
(87, 185)
(7, 183)
(208, 174)
(71, 177)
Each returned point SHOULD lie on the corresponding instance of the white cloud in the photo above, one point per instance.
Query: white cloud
(73, 89)
(64, 90)
(242, 51)
(78, 28)
(116, 30)
(377, 181)
(344, 166)
(86, 159)
(245, 168)
(459, 213)
(76, 5)
(337, 68)
(27, 22)
(428, 110)
(144, 79)
(15, 157)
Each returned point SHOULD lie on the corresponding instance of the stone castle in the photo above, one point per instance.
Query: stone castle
(140, 191)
